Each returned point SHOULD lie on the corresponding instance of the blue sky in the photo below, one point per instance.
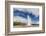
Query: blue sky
(34, 15)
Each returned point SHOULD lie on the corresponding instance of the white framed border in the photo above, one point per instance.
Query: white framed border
(23, 29)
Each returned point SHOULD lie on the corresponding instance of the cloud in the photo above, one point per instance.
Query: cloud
(19, 19)
(25, 14)
(34, 11)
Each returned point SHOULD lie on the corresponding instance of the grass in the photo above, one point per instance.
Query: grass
(21, 25)
(18, 23)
